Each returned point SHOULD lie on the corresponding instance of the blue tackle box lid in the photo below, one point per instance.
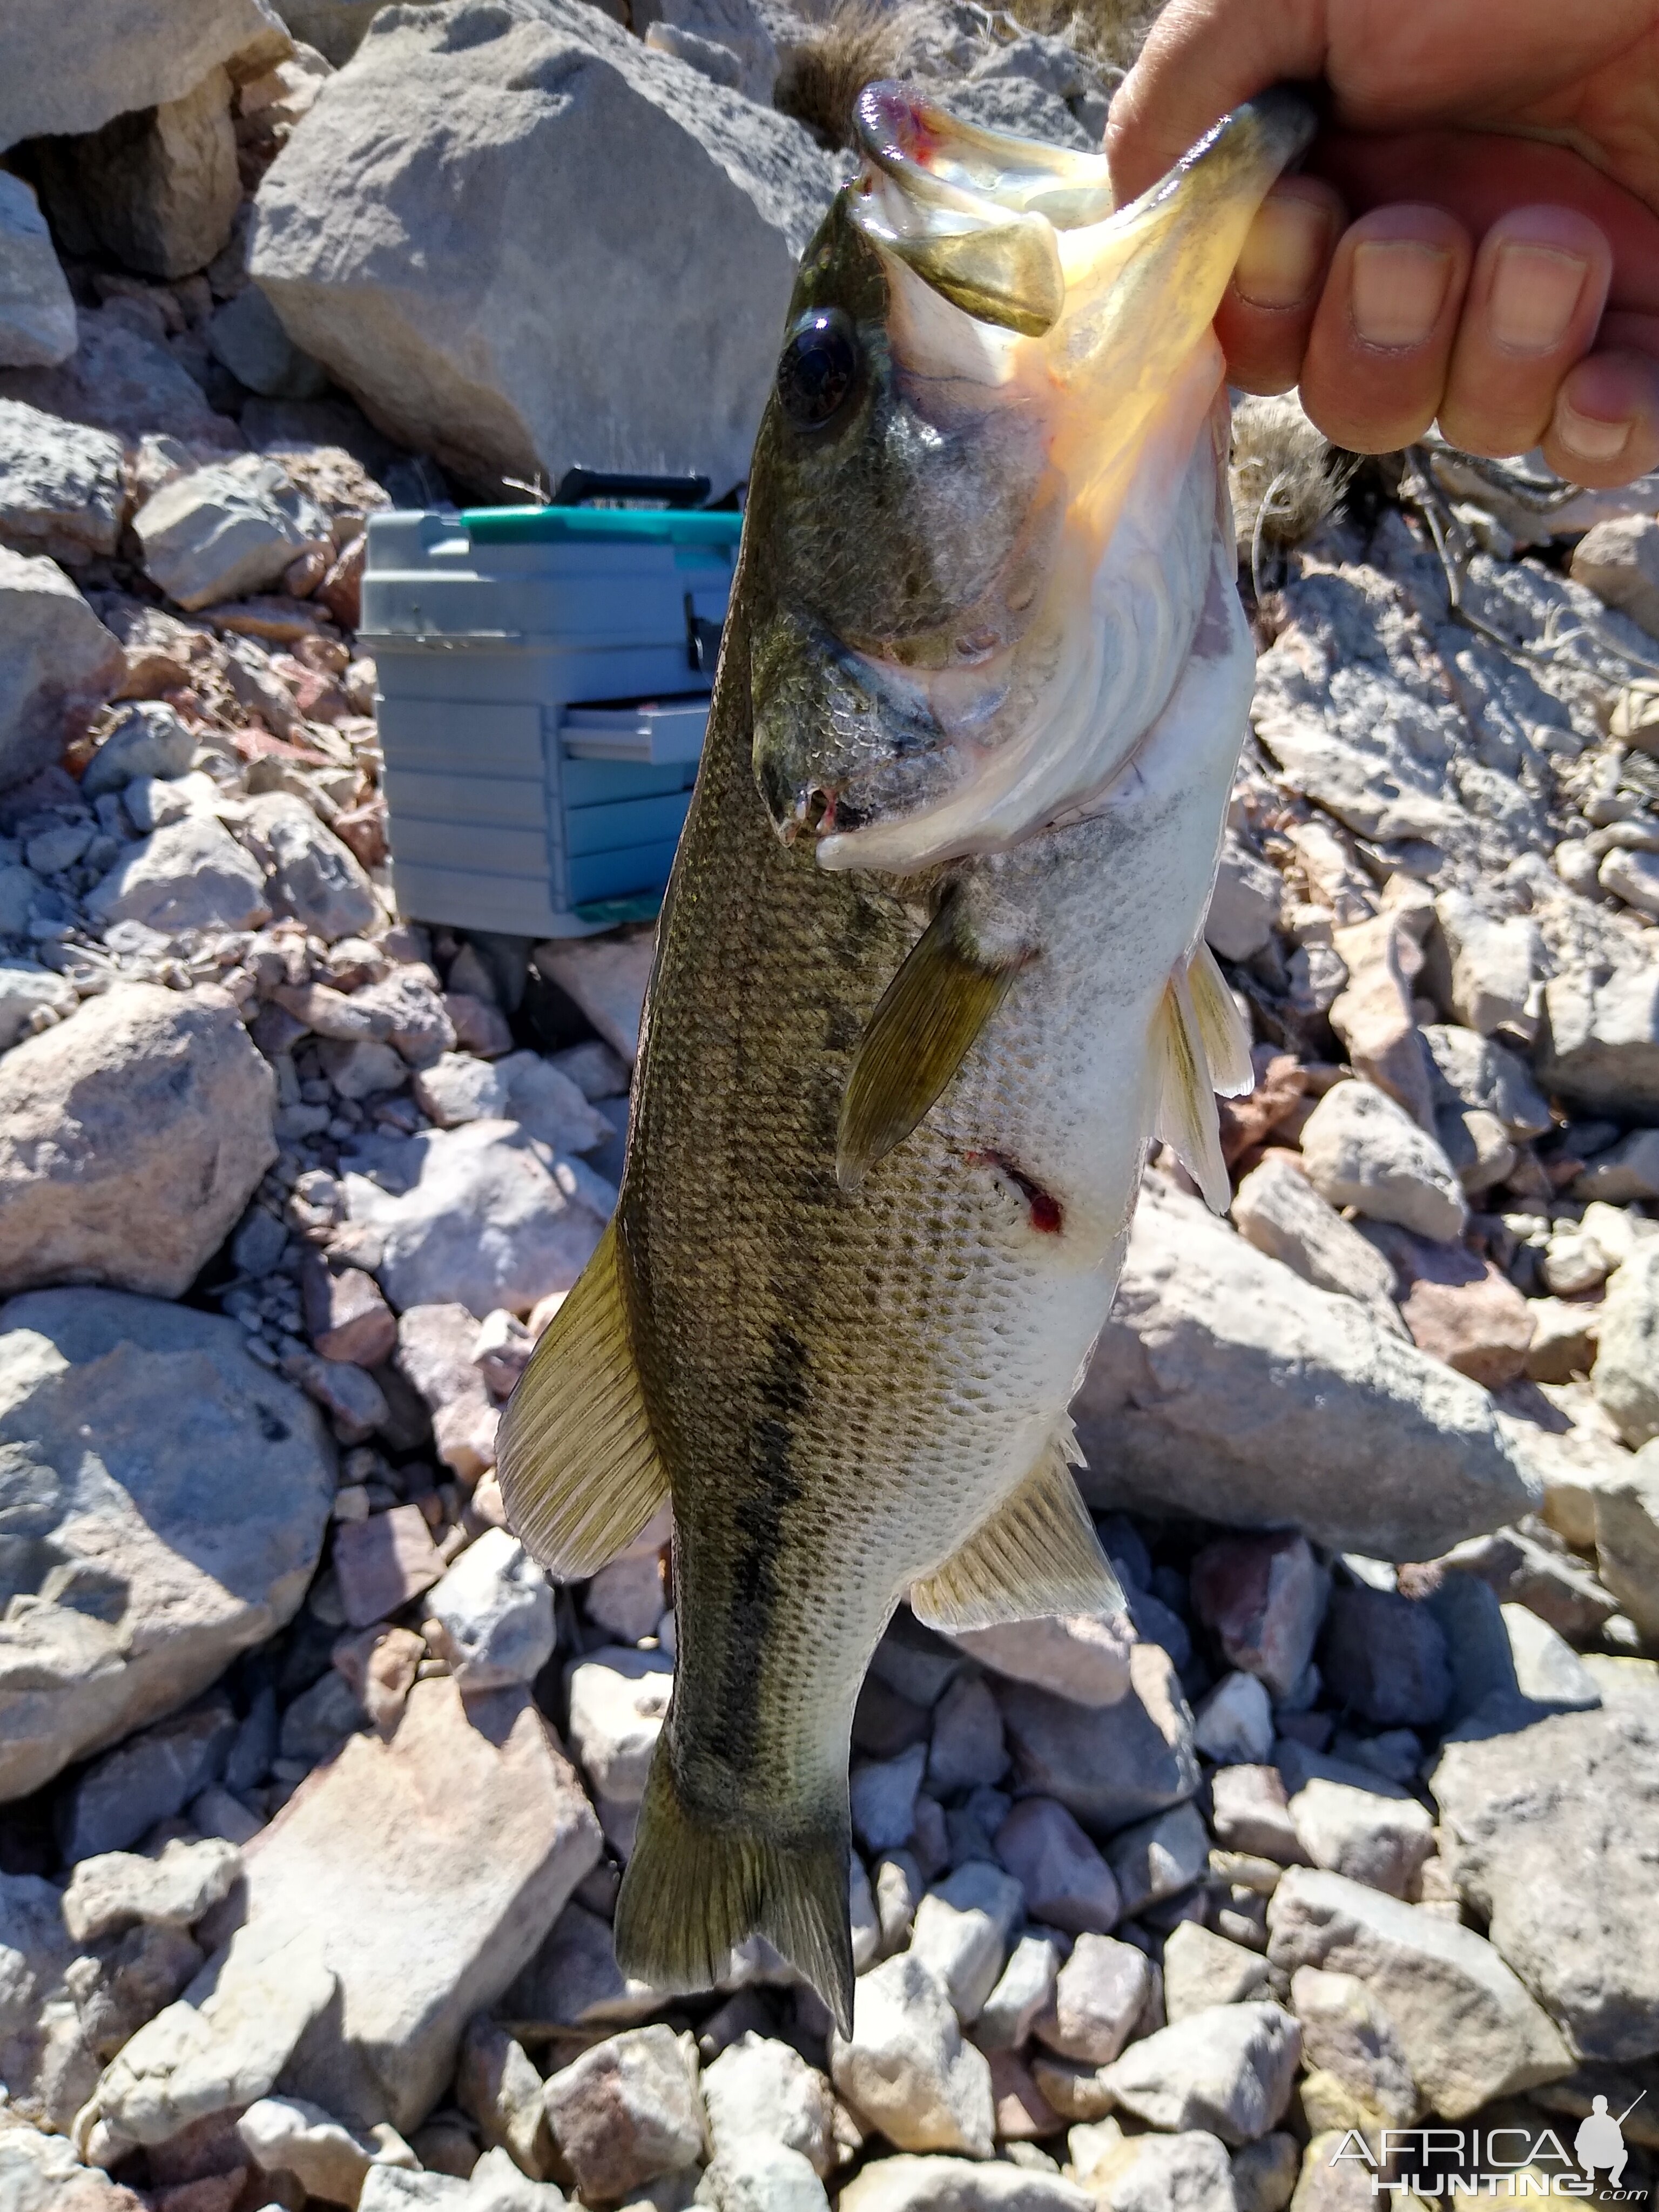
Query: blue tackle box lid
(542, 525)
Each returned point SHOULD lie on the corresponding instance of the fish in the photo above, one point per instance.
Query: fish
(930, 980)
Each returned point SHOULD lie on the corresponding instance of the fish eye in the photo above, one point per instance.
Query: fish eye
(819, 368)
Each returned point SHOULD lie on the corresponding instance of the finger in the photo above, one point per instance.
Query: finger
(1605, 428)
(1268, 309)
(1536, 296)
(1382, 333)
(1201, 58)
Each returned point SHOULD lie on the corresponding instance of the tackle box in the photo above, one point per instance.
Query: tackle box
(543, 689)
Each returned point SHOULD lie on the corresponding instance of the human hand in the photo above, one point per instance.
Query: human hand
(1502, 160)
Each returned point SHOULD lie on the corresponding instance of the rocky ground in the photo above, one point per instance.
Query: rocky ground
(315, 1794)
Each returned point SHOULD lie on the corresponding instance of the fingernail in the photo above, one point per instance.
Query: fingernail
(1535, 290)
(1587, 435)
(1399, 289)
(1283, 250)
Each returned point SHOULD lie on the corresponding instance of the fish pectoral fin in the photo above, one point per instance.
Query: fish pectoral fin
(1037, 1554)
(929, 1016)
(578, 1467)
(695, 1889)
(1226, 1039)
(1187, 1118)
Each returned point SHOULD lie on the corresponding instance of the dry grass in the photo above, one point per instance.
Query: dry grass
(1109, 32)
(1286, 476)
(823, 74)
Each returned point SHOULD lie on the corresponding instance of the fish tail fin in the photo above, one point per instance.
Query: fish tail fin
(693, 1890)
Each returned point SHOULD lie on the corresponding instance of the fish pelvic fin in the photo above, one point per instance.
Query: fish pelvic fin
(930, 1014)
(1187, 1118)
(693, 1890)
(1226, 1040)
(578, 1465)
(1037, 1554)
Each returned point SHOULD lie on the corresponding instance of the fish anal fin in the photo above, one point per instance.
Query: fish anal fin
(1187, 1118)
(928, 1017)
(1226, 1040)
(578, 1466)
(694, 1889)
(1037, 1555)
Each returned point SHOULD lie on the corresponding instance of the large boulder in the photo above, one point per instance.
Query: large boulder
(61, 492)
(37, 315)
(639, 331)
(58, 665)
(72, 65)
(1599, 1047)
(1227, 1387)
(131, 1137)
(225, 530)
(164, 1502)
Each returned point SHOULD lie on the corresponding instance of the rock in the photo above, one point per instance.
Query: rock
(1484, 971)
(1360, 1149)
(1626, 1531)
(313, 877)
(149, 740)
(758, 2176)
(247, 336)
(1187, 2173)
(191, 875)
(24, 990)
(1082, 1656)
(1460, 1308)
(1547, 1829)
(225, 530)
(1345, 2036)
(1368, 1830)
(1599, 1046)
(1227, 1387)
(628, 1598)
(1385, 1657)
(133, 1135)
(481, 1221)
(108, 1894)
(1159, 1858)
(407, 1009)
(1277, 1210)
(1201, 1970)
(58, 665)
(426, 1930)
(1633, 876)
(607, 976)
(319, 1720)
(1265, 1597)
(1233, 1725)
(149, 1778)
(1468, 2028)
(729, 171)
(966, 1747)
(1067, 1884)
(952, 2184)
(1625, 1377)
(346, 1317)
(1476, 1073)
(1251, 1813)
(883, 1798)
(122, 377)
(75, 67)
(1099, 1994)
(1619, 562)
(383, 1561)
(906, 2070)
(618, 1701)
(499, 2088)
(496, 1610)
(359, 1071)
(962, 1929)
(42, 2173)
(459, 1088)
(1023, 1991)
(626, 2111)
(544, 1098)
(758, 2087)
(1626, 1171)
(175, 1500)
(61, 492)
(286, 2134)
(1244, 905)
(1227, 2070)
(1109, 1765)
(158, 189)
(1374, 1015)
(574, 1981)
(37, 312)
(734, 29)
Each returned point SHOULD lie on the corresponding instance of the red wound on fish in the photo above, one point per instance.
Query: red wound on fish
(1047, 1215)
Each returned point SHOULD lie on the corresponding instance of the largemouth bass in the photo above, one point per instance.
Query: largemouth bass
(930, 976)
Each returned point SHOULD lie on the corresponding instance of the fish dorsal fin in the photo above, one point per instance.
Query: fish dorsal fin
(576, 1460)
(1226, 1040)
(929, 1016)
(1187, 1117)
(1037, 1554)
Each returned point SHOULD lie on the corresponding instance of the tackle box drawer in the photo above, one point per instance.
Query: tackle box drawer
(543, 682)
